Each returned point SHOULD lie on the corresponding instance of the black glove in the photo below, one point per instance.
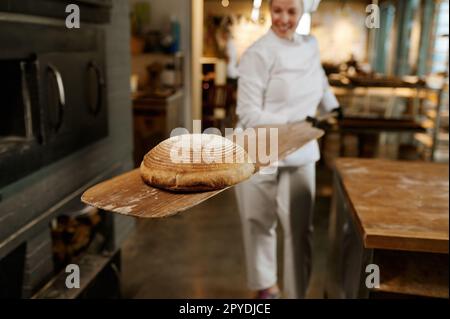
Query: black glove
(312, 120)
(317, 122)
(322, 121)
(340, 112)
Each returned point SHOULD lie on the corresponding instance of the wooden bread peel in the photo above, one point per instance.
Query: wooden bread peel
(127, 194)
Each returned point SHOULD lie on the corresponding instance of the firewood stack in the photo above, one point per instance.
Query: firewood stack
(72, 235)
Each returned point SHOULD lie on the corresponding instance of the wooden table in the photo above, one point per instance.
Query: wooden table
(368, 132)
(393, 214)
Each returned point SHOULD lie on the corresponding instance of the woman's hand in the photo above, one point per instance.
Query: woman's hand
(336, 113)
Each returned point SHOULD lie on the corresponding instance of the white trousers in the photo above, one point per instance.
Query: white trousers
(287, 196)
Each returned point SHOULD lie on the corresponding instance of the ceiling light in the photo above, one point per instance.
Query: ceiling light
(255, 14)
(304, 26)
(257, 4)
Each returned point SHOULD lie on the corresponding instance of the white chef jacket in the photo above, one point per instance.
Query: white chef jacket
(282, 81)
(232, 66)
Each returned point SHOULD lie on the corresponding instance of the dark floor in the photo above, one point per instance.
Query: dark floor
(199, 253)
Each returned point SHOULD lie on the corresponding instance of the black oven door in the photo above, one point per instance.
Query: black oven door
(72, 92)
(52, 91)
(20, 126)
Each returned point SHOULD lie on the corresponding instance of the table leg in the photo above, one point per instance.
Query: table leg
(347, 259)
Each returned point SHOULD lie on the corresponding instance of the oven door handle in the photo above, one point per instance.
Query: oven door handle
(100, 84)
(61, 94)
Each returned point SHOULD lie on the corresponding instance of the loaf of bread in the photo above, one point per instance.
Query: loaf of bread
(196, 162)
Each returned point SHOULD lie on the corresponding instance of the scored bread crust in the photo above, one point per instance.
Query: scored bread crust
(158, 170)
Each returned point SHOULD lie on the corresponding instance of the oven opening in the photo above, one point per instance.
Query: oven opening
(12, 267)
(15, 110)
(81, 236)
(77, 232)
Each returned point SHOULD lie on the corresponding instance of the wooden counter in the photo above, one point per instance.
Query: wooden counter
(389, 213)
(398, 205)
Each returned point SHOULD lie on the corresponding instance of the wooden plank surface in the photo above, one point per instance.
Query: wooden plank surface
(398, 205)
(127, 194)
